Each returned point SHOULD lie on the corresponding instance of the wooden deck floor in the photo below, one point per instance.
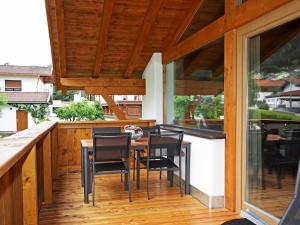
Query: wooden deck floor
(112, 206)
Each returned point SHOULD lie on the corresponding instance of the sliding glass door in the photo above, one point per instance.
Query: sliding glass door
(273, 118)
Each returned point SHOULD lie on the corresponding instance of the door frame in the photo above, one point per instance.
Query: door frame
(273, 19)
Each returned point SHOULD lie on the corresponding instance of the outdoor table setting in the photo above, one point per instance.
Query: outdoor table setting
(137, 146)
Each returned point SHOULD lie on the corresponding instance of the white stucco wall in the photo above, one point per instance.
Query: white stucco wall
(8, 119)
(29, 83)
(152, 104)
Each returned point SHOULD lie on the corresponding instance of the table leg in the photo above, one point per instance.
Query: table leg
(187, 169)
(138, 159)
(86, 175)
(82, 167)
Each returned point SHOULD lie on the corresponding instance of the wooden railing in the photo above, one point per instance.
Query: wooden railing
(31, 159)
(25, 174)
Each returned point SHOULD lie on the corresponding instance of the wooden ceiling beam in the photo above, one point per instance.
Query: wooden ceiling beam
(201, 38)
(186, 21)
(101, 82)
(60, 21)
(128, 90)
(103, 35)
(238, 16)
(149, 19)
(112, 105)
(197, 84)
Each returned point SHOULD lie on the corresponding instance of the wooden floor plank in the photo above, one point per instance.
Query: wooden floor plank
(112, 206)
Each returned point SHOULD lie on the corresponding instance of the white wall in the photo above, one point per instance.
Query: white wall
(8, 119)
(152, 104)
(29, 83)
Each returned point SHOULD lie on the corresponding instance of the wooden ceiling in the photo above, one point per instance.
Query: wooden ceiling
(116, 38)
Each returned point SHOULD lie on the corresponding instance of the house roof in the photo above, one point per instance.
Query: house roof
(27, 97)
(285, 94)
(294, 80)
(25, 70)
(270, 83)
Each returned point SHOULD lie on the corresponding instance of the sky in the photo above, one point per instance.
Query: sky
(24, 38)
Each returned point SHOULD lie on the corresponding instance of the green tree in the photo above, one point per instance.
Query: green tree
(3, 99)
(181, 104)
(57, 95)
(211, 107)
(83, 110)
(37, 111)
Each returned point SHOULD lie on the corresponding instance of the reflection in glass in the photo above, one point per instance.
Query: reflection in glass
(273, 134)
(194, 89)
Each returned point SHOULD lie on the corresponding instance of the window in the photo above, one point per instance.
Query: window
(13, 85)
(273, 132)
(194, 89)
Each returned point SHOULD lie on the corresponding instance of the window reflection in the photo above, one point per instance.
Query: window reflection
(273, 146)
(195, 90)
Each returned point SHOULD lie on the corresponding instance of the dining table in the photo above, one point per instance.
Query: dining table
(137, 146)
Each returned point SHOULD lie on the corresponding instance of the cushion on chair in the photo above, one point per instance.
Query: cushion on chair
(238, 222)
(110, 166)
(159, 163)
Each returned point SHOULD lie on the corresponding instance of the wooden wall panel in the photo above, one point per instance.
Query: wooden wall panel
(230, 108)
(10, 193)
(47, 173)
(54, 151)
(68, 157)
(30, 188)
(40, 172)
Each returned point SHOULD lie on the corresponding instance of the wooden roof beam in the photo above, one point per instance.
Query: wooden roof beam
(112, 105)
(103, 35)
(101, 82)
(115, 90)
(186, 21)
(149, 19)
(238, 16)
(60, 20)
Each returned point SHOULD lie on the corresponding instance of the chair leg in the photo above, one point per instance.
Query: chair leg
(93, 187)
(134, 162)
(180, 175)
(160, 171)
(129, 185)
(121, 176)
(148, 194)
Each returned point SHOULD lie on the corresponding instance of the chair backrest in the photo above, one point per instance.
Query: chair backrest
(111, 147)
(165, 143)
(106, 130)
(292, 214)
(147, 130)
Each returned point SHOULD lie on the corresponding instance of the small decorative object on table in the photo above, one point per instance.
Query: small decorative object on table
(136, 132)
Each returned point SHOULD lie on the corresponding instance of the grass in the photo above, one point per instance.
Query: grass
(267, 114)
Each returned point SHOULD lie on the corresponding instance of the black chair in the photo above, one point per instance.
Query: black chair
(146, 131)
(162, 148)
(292, 154)
(292, 214)
(106, 130)
(111, 155)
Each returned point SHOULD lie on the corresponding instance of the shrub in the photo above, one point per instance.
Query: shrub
(83, 110)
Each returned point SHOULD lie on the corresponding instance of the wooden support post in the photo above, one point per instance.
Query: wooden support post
(47, 169)
(112, 105)
(30, 191)
(54, 150)
(230, 108)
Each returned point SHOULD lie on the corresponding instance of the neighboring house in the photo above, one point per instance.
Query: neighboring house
(23, 85)
(268, 87)
(281, 94)
(131, 105)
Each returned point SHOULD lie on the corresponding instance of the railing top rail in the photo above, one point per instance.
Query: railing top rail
(14, 147)
(107, 121)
